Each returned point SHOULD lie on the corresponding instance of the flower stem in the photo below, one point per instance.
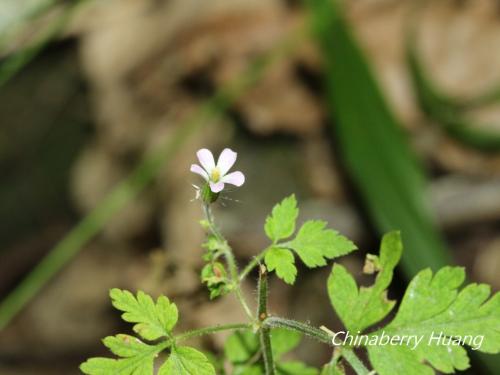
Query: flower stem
(230, 260)
(265, 331)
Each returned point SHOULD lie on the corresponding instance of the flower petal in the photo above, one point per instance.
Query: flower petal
(195, 168)
(216, 186)
(226, 160)
(206, 159)
(236, 178)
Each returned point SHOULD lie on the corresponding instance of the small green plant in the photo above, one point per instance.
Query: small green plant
(434, 321)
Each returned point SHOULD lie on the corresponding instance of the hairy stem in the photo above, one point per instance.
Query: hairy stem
(212, 329)
(265, 332)
(322, 336)
(230, 260)
(252, 264)
(306, 329)
(355, 362)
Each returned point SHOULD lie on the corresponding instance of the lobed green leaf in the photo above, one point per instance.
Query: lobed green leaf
(433, 307)
(186, 361)
(360, 308)
(283, 262)
(281, 223)
(153, 320)
(138, 358)
(314, 244)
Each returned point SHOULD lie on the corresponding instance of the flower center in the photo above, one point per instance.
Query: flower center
(215, 175)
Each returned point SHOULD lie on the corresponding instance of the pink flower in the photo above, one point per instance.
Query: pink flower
(216, 175)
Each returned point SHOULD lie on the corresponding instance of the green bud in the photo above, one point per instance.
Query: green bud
(207, 195)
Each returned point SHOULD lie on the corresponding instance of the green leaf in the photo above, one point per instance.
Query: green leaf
(241, 346)
(295, 368)
(153, 320)
(138, 358)
(248, 370)
(333, 369)
(216, 361)
(283, 261)
(284, 341)
(360, 308)
(184, 360)
(281, 223)
(431, 308)
(314, 244)
(125, 346)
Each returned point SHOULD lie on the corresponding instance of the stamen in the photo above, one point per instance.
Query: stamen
(215, 175)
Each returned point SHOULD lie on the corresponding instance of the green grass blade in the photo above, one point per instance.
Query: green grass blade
(377, 155)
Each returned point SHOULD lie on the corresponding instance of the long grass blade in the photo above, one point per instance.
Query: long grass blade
(377, 155)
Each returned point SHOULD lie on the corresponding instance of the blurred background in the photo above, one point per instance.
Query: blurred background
(103, 105)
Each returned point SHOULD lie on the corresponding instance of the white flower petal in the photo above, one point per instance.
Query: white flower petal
(235, 178)
(226, 160)
(206, 159)
(195, 168)
(216, 186)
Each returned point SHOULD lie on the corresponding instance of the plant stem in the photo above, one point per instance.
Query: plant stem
(231, 261)
(252, 264)
(306, 329)
(211, 330)
(265, 332)
(355, 362)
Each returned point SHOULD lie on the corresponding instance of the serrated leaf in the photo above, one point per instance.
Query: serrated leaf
(281, 223)
(360, 308)
(283, 262)
(432, 306)
(314, 244)
(153, 320)
(184, 360)
(139, 358)
(125, 346)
